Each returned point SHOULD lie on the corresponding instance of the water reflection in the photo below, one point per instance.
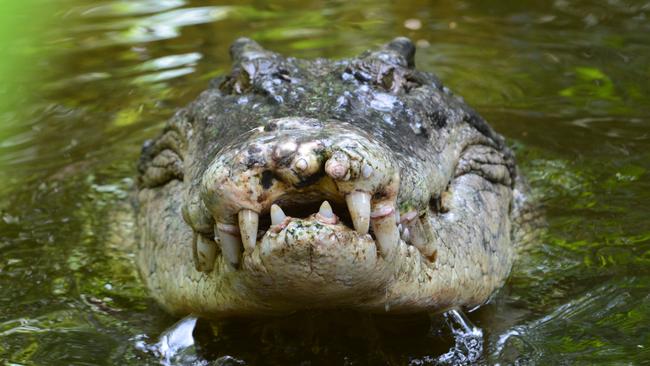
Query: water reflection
(619, 316)
(126, 8)
(566, 82)
(156, 27)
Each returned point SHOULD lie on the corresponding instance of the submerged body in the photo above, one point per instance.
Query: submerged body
(292, 184)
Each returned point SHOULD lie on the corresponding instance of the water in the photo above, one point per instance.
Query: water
(565, 82)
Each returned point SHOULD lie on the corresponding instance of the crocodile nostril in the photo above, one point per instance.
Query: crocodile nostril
(267, 179)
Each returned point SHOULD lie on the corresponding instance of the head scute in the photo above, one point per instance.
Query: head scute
(402, 47)
(252, 66)
(390, 68)
(245, 49)
(398, 52)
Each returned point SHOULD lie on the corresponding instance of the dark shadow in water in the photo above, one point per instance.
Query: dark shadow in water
(324, 338)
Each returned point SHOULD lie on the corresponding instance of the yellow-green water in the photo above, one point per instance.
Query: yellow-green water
(83, 83)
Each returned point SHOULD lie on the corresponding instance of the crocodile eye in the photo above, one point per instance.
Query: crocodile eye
(489, 163)
(161, 160)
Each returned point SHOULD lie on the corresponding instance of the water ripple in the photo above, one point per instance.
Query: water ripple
(126, 8)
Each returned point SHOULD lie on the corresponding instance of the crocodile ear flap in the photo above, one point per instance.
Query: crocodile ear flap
(403, 47)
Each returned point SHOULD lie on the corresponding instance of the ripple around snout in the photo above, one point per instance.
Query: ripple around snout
(83, 83)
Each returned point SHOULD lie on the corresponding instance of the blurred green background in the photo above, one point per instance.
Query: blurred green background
(22, 24)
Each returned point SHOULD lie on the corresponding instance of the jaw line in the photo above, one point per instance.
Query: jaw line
(310, 264)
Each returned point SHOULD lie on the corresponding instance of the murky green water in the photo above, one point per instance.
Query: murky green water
(567, 82)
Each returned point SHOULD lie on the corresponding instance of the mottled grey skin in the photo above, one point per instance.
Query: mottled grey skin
(436, 166)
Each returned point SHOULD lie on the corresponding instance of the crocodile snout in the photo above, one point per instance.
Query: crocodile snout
(296, 164)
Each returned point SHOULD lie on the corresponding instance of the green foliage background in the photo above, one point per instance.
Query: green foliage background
(21, 25)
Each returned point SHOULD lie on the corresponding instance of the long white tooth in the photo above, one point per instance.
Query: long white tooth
(359, 207)
(248, 223)
(386, 233)
(277, 215)
(205, 253)
(230, 241)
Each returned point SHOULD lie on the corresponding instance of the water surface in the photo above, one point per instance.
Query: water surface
(565, 82)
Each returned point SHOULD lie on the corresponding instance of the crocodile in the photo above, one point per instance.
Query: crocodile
(361, 184)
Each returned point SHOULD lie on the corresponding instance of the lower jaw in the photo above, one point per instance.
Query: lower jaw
(276, 277)
(310, 265)
(309, 262)
(276, 280)
(307, 265)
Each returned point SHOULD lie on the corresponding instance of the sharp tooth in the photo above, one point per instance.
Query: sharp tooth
(205, 253)
(230, 241)
(386, 233)
(417, 233)
(359, 207)
(277, 215)
(326, 210)
(248, 223)
(325, 214)
(406, 234)
(418, 237)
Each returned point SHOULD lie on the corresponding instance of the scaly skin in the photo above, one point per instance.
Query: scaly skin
(441, 192)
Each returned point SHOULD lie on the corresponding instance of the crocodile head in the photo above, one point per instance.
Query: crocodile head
(296, 184)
